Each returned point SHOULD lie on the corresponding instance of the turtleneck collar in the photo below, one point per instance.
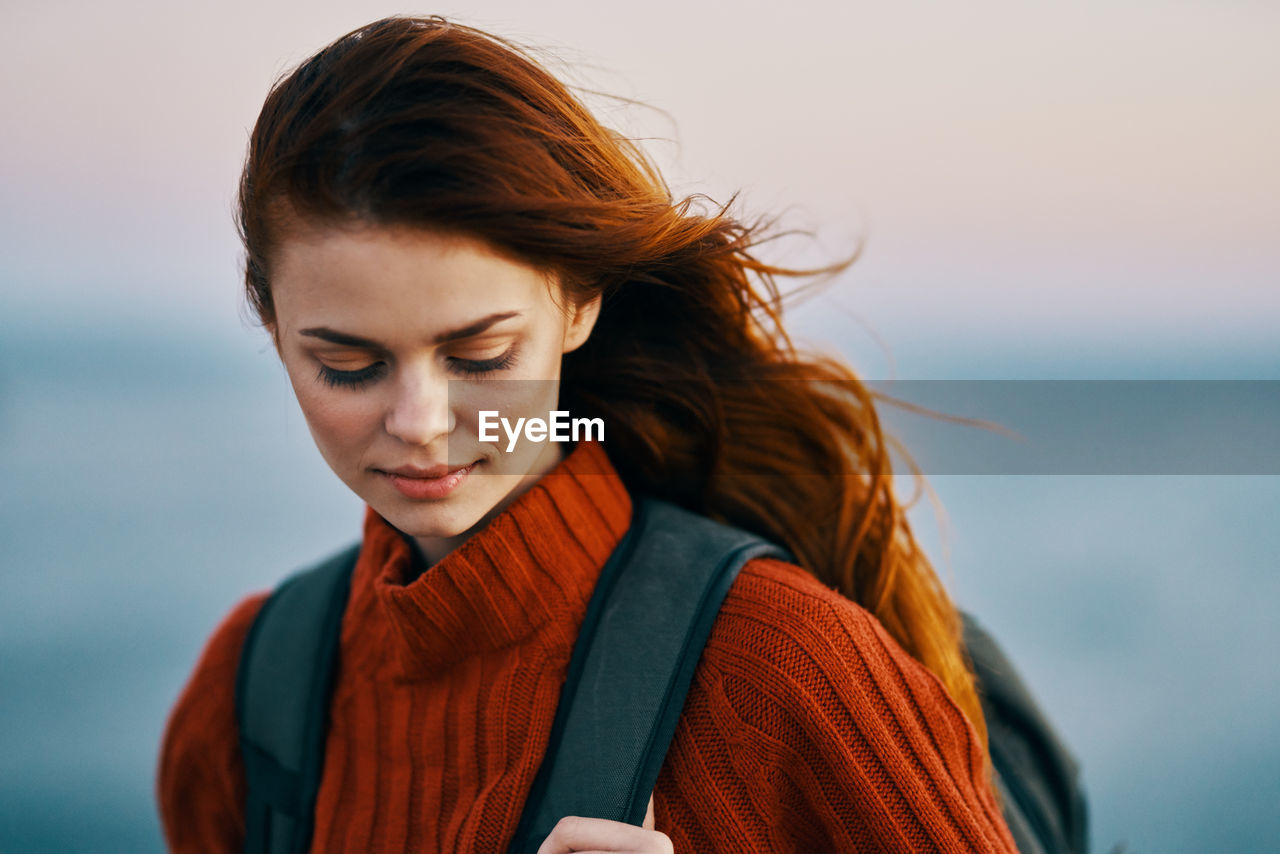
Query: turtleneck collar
(535, 563)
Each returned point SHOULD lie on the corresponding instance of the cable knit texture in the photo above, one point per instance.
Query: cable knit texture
(807, 728)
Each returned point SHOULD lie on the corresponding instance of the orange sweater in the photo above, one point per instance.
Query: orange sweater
(806, 728)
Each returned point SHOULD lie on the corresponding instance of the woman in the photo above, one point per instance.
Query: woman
(435, 228)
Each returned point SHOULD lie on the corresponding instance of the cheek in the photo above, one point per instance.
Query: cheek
(342, 423)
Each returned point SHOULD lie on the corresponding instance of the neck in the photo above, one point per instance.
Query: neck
(431, 550)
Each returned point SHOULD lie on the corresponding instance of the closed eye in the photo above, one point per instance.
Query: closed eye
(481, 367)
(351, 379)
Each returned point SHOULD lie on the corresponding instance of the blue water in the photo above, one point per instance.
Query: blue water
(151, 480)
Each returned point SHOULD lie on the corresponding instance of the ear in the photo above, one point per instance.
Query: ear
(582, 319)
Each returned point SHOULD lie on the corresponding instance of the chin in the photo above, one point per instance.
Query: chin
(447, 517)
(433, 522)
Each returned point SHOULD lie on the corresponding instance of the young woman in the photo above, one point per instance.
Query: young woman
(435, 228)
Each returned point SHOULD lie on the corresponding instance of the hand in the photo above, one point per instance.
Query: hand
(577, 834)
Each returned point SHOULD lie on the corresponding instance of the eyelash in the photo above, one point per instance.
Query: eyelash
(350, 379)
(484, 367)
(466, 367)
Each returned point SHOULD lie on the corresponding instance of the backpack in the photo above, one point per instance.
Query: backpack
(649, 624)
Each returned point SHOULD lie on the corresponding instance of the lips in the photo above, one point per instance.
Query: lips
(427, 483)
(435, 471)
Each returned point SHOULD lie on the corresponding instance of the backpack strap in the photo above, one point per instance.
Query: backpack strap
(1038, 779)
(640, 642)
(283, 685)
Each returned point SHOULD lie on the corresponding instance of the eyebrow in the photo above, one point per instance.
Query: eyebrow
(343, 339)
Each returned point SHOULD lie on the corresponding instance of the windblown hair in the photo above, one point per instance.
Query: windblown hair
(426, 122)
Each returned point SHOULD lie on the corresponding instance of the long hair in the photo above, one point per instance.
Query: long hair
(426, 122)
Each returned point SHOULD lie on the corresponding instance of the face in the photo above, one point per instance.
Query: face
(395, 340)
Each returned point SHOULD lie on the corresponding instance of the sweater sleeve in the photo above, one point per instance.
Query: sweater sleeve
(200, 782)
(808, 728)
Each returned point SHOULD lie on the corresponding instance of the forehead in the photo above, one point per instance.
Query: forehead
(395, 278)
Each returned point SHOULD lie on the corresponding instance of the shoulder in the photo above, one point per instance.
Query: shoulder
(221, 652)
(783, 633)
(785, 621)
(200, 779)
(803, 697)
(209, 689)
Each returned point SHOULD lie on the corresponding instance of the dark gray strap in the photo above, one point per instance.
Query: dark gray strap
(648, 619)
(1024, 835)
(1038, 779)
(282, 691)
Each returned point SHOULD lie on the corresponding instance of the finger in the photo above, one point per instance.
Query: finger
(577, 834)
(648, 815)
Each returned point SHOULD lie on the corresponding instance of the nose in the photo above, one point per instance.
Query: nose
(420, 412)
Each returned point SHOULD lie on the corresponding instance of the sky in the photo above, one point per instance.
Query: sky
(1097, 173)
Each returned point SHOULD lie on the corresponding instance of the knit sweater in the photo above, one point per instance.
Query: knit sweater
(807, 728)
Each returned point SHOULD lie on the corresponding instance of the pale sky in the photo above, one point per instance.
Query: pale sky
(1108, 165)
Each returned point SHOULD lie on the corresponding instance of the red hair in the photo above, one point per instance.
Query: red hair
(425, 122)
